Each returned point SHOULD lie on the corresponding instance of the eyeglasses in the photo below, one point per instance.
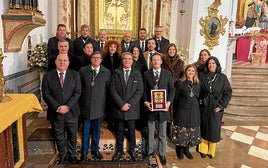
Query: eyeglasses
(95, 58)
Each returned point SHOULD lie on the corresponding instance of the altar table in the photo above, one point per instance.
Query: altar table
(13, 136)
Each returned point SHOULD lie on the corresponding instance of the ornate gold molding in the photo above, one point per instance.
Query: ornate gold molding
(16, 25)
(213, 25)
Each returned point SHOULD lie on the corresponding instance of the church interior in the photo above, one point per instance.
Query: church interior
(234, 31)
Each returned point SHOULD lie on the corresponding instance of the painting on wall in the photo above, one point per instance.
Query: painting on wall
(117, 17)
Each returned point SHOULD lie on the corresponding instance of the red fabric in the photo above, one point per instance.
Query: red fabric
(242, 48)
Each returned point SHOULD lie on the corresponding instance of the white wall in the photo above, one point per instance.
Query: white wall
(17, 61)
(200, 9)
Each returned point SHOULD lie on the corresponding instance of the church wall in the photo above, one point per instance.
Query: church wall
(200, 9)
(18, 78)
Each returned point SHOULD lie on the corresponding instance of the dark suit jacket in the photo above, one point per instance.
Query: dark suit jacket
(98, 46)
(79, 44)
(124, 48)
(93, 98)
(163, 45)
(53, 52)
(55, 96)
(138, 43)
(165, 82)
(130, 93)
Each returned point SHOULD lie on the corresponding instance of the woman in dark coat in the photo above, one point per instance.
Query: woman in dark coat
(204, 54)
(216, 93)
(112, 55)
(186, 129)
(112, 61)
(139, 60)
(84, 60)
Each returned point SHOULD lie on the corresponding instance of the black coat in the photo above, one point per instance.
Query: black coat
(79, 44)
(163, 45)
(53, 52)
(186, 108)
(93, 98)
(140, 65)
(218, 96)
(165, 82)
(110, 64)
(55, 96)
(130, 93)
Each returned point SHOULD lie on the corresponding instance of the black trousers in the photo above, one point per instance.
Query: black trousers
(130, 125)
(65, 136)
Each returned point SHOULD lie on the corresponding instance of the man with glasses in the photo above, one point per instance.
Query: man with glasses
(95, 80)
(161, 42)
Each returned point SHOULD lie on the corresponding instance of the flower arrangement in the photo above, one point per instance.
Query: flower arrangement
(37, 58)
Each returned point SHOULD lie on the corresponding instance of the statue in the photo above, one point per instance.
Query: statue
(24, 4)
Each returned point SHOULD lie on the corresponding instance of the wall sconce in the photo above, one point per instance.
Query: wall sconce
(182, 10)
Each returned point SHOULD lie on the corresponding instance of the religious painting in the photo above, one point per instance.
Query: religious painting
(213, 25)
(117, 17)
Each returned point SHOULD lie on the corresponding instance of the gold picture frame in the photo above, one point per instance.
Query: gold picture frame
(213, 25)
(116, 17)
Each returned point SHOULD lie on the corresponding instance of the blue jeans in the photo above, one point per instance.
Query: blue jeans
(95, 124)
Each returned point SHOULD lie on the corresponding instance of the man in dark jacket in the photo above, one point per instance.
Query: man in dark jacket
(53, 48)
(95, 80)
(158, 78)
(61, 89)
(126, 90)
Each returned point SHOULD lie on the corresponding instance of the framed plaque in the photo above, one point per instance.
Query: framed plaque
(158, 97)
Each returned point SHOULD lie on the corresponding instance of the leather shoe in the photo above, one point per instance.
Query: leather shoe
(210, 156)
(187, 153)
(133, 155)
(97, 155)
(148, 155)
(73, 160)
(179, 152)
(163, 160)
(117, 156)
(203, 155)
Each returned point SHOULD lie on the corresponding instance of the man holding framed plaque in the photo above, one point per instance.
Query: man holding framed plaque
(158, 94)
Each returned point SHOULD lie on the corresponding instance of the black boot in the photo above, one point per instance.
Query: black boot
(187, 153)
(179, 152)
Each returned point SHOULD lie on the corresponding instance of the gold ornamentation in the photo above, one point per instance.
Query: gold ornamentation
(116, 17)
(213, 25)
(3, 96)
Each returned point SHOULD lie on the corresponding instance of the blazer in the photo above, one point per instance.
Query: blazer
(79, 44)
(93, 98)
(53, 52)
(165, 82)
(98, 48)
(138, 43)
(146, 56)
(54, 95)
(163, 45)
(124, 48)
(122, 93)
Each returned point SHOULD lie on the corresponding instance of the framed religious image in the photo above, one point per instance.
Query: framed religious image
(212, 25)
(158, 97)
(117, 17)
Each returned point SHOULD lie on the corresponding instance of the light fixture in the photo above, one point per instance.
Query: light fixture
(182, 10)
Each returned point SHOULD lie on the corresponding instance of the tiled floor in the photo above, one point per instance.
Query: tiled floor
(244, 144)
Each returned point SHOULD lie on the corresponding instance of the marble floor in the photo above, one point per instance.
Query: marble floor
(244, 144)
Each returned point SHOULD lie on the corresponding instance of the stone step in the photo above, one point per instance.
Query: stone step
(249, 77)
(247, 112)
(250, 92)
(251, 99)
(249, 84)
(248, 103)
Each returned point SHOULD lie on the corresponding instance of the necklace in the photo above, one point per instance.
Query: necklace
(191, 90)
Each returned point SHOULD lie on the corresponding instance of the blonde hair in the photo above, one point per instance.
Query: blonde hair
(184, 77)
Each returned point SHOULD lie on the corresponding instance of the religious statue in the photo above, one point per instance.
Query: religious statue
(24, 4)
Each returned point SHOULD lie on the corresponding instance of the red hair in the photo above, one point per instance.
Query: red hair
(110, 42)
